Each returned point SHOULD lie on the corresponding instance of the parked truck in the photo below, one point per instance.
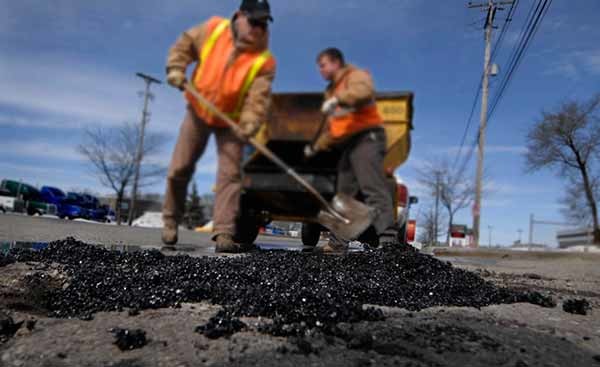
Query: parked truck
(27, 198)
(7, 202)
(269, 194)
(95, 211)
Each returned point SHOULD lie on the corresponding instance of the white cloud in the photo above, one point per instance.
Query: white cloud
(39, 149)
(70, 95)
(576, 64)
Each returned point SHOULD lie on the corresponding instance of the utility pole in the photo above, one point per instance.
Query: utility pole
(531, 220)
(520, 232)
(140, 147)
(492, 7)
(437, 206)
(490, 239)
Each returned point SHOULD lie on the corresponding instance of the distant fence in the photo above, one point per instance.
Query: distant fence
(575, 237)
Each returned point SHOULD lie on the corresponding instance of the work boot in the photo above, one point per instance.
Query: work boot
(333, 247)
(169, 234)
(389, 238)
(226, 245)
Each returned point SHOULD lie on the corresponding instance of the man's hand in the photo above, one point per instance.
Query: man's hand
(176, 78)
(309, 151)
(249, 130)
(330, 105)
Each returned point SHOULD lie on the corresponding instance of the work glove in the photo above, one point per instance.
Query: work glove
(176, 78)
(248, 130)
(309, 151)
(329, 105)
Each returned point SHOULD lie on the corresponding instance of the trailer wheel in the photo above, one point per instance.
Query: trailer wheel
(402, 235)
(370, 237)
(246, 230)
(311, 233)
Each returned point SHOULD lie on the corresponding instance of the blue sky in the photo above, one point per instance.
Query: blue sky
(67, 64)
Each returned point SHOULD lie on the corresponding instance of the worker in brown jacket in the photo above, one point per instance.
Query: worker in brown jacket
(355, 126)
(234, 70)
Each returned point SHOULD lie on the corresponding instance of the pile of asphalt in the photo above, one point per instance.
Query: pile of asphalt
(297, 291)
(127, 339)
(577, 306)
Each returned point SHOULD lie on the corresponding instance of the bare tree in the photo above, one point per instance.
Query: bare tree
(454, 192)
(568, 140)
(429, 227)
(575, 206)
(112, 152)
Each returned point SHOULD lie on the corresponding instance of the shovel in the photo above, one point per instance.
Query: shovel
(345, 217)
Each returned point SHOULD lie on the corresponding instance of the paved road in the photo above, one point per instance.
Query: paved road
(20, 228)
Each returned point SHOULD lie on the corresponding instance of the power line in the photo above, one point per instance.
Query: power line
(520, 51)
(505, 26)
(535, 15)
(497, 47)
(469, 120)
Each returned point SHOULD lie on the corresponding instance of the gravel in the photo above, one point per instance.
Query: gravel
(297, 291)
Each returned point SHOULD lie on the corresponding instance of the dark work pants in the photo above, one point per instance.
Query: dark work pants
(360, 169)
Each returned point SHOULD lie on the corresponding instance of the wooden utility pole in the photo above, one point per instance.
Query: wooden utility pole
(492, 7)
(140, 147)
(437, 207)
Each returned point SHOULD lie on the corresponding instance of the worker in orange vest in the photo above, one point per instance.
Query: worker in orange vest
(234, 70)
(355, 127)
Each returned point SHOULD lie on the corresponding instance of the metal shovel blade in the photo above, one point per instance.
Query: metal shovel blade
(359, 216)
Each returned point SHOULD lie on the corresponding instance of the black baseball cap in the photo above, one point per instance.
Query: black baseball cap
(257, 9)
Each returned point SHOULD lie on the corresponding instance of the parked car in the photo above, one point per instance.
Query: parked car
(32, 202)
(96, 211)
(52, 195)
(72, 207)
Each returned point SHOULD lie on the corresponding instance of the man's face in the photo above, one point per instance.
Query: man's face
(328, 67)
(251, 30)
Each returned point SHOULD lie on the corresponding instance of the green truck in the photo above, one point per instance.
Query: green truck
(23, 198)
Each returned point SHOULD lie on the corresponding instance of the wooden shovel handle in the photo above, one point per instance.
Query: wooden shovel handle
(264, 151)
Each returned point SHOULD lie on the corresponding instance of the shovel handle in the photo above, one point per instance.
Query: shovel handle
(265, 151)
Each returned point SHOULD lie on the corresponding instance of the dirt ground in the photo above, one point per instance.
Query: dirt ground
(501, 335)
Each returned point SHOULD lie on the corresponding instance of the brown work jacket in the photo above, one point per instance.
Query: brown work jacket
(186, 51)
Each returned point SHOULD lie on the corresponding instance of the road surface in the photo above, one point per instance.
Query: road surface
(500, 335)
(21, 228)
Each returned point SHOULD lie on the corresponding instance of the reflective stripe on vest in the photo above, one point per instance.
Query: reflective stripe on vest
(257, 65)
(210, 43)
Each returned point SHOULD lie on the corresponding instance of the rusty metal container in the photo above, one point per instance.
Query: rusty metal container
(295, 118)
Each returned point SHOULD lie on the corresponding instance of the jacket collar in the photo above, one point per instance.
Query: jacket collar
(340, 75)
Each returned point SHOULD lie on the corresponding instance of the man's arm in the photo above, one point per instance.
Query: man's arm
(258, 100)
(186, 49)
(359, 90)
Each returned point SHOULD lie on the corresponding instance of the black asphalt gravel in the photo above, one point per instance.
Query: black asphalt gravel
(298, 291)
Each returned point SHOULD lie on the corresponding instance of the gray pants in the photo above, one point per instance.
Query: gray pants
(361, 170)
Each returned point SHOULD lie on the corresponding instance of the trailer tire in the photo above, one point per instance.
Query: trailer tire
(246, 230)
(402, 235)
(311, 233)
(369, 237)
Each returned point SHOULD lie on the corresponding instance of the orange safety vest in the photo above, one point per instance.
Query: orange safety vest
(223, 82)
(345, 122)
